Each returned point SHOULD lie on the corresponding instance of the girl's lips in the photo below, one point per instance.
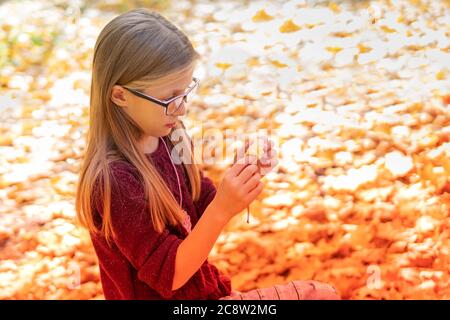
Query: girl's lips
(171, 125)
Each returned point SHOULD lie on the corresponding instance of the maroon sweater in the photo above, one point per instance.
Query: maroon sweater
(140, 264)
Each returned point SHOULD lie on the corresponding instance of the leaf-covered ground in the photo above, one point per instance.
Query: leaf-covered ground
(356, 92)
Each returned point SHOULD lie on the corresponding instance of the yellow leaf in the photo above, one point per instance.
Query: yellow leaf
(363, 49)
(261, 16)
(440, 75)
(387, 29)
(279, 64)
(27, 127)
(238, 110)
(22, 159)
(333, 6)
(6, 27)
(289, 26)
(42, 95)
(55, 179)
(342, 34)
(415, 107)
(333, 49)
(6, 141)
(325, 154)
(223, 66)
(27, 110)
(254, 61)
(256, 149)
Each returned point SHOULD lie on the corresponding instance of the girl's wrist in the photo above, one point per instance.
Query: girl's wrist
(219, 212)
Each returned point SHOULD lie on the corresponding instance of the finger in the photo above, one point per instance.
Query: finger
(237, 168)
(269, 163)
(267, 158)
(252, 182)
(255, 191)
(266, 169)
(240, 153)
(269, 153)
(247, 173)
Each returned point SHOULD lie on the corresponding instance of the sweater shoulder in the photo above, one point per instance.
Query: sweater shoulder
(125, 181)
(119, 171)
(122, 167)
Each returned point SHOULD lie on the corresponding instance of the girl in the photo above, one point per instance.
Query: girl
(153, 222)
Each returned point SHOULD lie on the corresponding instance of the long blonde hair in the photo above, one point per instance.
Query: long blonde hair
(134, 49)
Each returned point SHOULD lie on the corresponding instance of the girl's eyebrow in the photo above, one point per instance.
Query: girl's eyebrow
(170, 96)
(174, 93)
(178, 90)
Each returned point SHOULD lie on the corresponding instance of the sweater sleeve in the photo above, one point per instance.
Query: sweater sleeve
(151, 253)
(207, 194)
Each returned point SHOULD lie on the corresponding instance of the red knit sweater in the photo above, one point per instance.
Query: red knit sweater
(140, 264)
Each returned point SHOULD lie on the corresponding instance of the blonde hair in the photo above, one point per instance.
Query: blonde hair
(135, 49)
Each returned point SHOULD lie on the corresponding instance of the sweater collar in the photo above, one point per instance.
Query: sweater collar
(158, 151)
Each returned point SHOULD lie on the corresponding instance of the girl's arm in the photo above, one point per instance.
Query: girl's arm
(238, 188)
(195, 248)
(207, 193)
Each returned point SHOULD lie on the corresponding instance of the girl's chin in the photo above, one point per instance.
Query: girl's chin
(165, 132)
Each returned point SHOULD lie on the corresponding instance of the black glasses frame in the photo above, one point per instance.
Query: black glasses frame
(165, 103)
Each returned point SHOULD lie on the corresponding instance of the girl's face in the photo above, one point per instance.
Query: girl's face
(149, 116)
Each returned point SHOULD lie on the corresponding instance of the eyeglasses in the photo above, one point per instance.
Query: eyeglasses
(173, 104)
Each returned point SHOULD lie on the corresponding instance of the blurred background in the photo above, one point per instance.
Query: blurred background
(356, 92)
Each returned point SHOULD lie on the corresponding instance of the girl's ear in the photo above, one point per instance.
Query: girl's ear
(118, 96)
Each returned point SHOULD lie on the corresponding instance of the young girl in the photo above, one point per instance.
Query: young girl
(152, 221)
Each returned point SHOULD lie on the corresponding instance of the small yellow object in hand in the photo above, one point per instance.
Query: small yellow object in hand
(263, 155)
(256, 149)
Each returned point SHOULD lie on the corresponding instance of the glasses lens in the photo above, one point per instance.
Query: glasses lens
(174, 106)
(191, 93)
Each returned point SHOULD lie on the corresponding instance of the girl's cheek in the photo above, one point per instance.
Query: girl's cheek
(150, 114)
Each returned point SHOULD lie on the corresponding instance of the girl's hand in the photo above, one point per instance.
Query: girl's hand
(240, 185)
